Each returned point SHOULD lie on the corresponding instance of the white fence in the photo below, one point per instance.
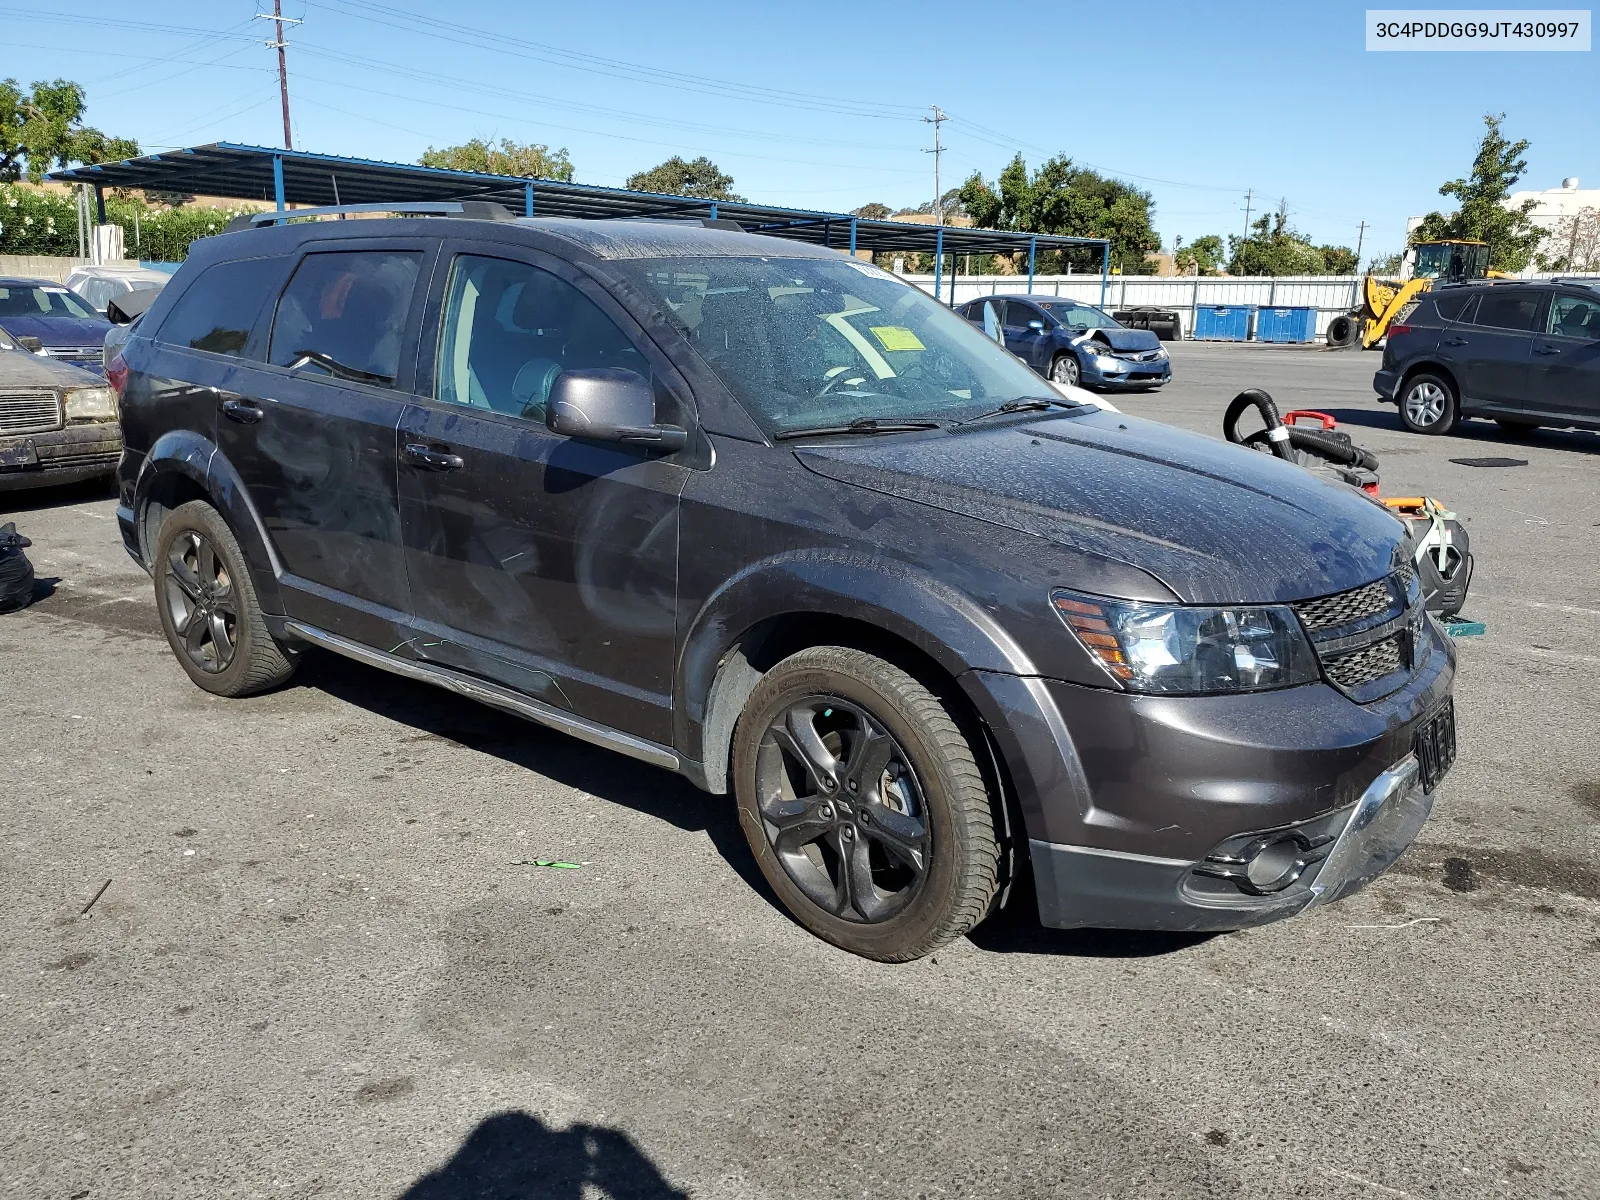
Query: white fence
(1328, 294)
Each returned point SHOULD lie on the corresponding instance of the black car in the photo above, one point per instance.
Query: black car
(1073, 344)
(761, 514)
(1524, 353)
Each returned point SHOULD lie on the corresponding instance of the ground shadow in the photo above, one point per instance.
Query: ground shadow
(601, 773)
(516, 1156)
(1015, 929)
(35, 499)
(1472, 430)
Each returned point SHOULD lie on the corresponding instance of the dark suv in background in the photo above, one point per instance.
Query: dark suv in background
(769, 517)
(1523, 353)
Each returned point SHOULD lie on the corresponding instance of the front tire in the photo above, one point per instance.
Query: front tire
(1428, 404)
(208, 606)
(1064, 370)
(864, 805)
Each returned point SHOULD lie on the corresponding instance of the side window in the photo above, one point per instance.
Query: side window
(993, 322)
(1507, 309)
(1575, 317)
(1018, 315)
(509, 329)
(1452, 304)
(344, 314)
(219, 308)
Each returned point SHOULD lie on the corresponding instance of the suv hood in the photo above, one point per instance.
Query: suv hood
(1123, 339)
(1215, 523)
(70, 333)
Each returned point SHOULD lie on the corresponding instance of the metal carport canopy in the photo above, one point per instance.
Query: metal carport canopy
(284, 177)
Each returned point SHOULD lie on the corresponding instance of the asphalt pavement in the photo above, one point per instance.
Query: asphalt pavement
(324, 967)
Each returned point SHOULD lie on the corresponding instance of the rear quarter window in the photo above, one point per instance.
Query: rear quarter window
(218, 310)
(1451, 306)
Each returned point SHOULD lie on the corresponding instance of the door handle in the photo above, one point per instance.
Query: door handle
(245, 412)
(1456, 341)
(428, 459)
(1547, 349)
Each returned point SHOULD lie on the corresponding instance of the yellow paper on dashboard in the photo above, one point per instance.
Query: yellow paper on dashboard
(897, 337)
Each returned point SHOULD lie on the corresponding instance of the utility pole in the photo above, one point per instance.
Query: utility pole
(1361, 238)
(936, 120)
(1248, 195)
(278, 44)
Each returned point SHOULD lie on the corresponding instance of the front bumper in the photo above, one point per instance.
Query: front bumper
(61, 456)
(1141, 375)
(1130, 802)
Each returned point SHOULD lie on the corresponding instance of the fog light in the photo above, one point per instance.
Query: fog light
(1270, 863)
(1276, 865)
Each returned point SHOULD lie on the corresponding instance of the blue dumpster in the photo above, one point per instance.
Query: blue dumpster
(1223, 323)
(1292, 324)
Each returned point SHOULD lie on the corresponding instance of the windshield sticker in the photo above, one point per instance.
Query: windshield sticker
(896, 337)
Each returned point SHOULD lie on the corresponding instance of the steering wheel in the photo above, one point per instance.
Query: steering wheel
(836, 375)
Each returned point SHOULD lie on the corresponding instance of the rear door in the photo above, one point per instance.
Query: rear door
(546, 563)
(311, 431)
(1028, 344)
(1493, 352)
(1565, 374)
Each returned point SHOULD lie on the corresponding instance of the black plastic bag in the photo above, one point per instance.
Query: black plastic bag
(16, 572)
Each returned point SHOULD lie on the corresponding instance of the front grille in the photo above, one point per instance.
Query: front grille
(1367, 665)
(80, 356)
(29, 410)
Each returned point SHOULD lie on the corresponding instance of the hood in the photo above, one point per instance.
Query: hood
(1124, 339)
(1215, 523)
(59, 332)
(18, 368)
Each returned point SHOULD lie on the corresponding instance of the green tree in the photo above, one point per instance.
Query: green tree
(1483, 214)
(43, 129)
(527, 161)
(871, 212)
(1275, 248)
(1387, 264)
(675, 177)
(1203, 256)
(1062, 198)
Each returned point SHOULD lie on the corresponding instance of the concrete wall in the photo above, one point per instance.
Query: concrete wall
(45, 266)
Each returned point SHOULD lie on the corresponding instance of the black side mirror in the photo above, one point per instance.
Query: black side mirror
(29, 343)
(609, 404)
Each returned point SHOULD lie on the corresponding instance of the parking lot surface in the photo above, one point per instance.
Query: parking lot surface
(323, 965)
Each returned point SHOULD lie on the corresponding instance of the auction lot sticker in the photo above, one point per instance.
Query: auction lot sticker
(1478, 29)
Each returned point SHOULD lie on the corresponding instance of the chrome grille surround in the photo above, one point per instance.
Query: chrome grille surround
(29, 410)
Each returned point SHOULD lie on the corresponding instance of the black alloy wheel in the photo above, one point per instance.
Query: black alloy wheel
(842, 808)
(201, 602)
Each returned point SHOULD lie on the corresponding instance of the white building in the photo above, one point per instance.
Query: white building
(1570, 217)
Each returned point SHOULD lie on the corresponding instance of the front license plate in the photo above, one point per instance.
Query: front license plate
(21, 455)
(1436, 745)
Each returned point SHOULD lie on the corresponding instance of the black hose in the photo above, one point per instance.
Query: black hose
(1334, 449)
(1255, 397)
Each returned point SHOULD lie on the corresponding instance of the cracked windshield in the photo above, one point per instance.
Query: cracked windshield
(821, 343)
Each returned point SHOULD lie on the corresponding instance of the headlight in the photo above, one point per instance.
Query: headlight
(1178, 648)
(1107, 362)
(91, 404)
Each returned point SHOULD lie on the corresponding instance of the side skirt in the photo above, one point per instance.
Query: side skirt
(492, 694)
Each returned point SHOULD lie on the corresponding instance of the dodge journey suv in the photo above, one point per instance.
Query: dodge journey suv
(764, 515)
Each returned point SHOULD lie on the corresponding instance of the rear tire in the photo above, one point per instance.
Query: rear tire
(864, 805)
(1343, 331)
(208, 607)
(1428, 404)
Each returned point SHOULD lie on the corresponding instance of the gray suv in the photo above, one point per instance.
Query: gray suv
(766, 516)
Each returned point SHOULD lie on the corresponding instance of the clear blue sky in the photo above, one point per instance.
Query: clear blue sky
(819, 104)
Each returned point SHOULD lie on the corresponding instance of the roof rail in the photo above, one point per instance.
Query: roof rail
(482, 210)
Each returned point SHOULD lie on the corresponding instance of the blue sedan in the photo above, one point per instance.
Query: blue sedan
(1071, 343)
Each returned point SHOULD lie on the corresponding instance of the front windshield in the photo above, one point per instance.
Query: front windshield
(811, 342)
(1078, 316)
(42, 302)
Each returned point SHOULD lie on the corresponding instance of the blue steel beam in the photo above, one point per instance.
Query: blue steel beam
(277, 180)
(1105, 271)
(1033, 253)
(938, 262)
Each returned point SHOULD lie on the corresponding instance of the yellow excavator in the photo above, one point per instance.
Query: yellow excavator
(1384, 301)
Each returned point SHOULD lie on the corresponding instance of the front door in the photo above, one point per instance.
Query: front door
(1493, 351)
(1565, 374)
(546, 563)
(1022, 340)
(311, 432)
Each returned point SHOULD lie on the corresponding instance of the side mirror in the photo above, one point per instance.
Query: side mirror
(29, 343)
(1036, 326)
(609, 404)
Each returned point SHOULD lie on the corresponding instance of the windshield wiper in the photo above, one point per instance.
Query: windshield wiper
(1028, 404)
(861, 425)
(338, 369)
